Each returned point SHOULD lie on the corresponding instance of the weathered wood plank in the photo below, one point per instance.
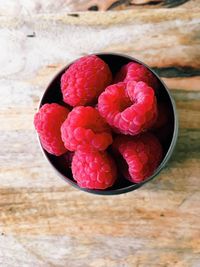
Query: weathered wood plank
(21, 213)
(126, 252)
(44, 221)
(116, 32)
(37, 6)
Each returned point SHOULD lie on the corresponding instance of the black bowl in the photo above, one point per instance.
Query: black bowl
(115, 61)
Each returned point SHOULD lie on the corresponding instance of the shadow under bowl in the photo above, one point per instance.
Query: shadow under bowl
(61, 164)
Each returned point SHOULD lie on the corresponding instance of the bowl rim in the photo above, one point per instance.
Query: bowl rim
(163, 163)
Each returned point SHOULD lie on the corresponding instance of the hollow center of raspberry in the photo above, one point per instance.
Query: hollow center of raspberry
(125, 104)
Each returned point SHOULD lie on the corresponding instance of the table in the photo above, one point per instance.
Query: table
(44, 221)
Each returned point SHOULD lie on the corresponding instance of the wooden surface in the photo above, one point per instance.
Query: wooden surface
(44, 221)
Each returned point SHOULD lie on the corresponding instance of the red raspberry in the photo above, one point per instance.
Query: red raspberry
(129, 107)
(84, 80)
(85, 127)
(47, 123)
(142, 154)
(93, 169)
(136, 72)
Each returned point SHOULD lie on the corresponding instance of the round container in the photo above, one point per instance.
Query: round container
(115, 61)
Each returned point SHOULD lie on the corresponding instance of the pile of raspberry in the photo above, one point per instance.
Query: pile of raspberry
(108, 127)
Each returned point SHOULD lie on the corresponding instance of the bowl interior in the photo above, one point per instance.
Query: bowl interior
(62, 163)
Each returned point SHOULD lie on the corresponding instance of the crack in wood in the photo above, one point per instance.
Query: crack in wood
(73, 15)
(31, 35)
(93, 8)
(119, 3)
(150, 3)
(165, 3)
(174, 3)
(173, 72)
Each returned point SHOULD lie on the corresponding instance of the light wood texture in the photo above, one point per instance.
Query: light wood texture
(44, 221)
(11, 7)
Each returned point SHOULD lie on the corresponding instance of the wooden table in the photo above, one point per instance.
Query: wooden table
(44, 221)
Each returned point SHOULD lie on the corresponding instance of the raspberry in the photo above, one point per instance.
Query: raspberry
(93, 169)
(47, 123)
(142, 155)
(136, 72)
(85, 127)
(84, 80)
(130, 108)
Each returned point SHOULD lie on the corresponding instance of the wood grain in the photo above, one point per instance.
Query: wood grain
(42, 6)
(43, 221)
